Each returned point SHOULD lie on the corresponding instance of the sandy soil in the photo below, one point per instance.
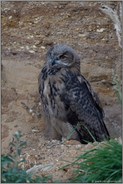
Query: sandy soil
(28, 30)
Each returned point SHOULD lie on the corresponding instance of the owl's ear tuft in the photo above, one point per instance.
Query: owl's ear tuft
(50, 50)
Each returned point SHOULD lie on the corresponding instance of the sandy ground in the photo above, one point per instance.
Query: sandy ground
(28, 30)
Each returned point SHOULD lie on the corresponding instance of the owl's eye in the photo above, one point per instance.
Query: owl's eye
(62, 56)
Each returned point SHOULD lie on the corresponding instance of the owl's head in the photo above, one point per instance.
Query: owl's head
(62, 56)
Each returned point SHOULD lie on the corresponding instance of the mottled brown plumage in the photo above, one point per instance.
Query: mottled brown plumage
(68, 101)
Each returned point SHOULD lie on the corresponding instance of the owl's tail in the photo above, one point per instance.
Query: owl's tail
(92, 134)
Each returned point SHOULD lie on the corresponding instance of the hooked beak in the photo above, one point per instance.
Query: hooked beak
(53, 62)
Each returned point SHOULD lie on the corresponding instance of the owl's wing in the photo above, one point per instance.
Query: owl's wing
(82, 107)
(94, 95)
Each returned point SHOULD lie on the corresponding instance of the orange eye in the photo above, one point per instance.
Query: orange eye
(62, 56)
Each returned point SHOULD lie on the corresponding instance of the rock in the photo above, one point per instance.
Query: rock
(40, 168)
(72, 142)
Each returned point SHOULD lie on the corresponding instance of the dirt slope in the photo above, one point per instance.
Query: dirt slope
(28, 30)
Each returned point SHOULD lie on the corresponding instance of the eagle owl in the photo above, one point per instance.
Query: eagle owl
(71, 108)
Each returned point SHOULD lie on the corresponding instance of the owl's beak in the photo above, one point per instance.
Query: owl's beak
(53, 62)
(56, 62)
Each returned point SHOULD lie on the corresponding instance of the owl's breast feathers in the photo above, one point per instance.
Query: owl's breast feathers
(51, 86)
(68, 96)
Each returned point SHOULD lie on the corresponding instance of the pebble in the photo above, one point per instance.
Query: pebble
(33, 130)
(78, 146)
(30, 110)
(82, 35)
(32, 51)
(6, 9)
(42, 47)
(100, 30)
(10, 17)
(34, 46)
(33, 114)
(30, 36)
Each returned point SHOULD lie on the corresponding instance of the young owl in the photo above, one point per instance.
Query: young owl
(70, 106)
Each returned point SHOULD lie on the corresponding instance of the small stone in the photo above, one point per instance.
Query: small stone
(10, 17)
(82, 35)
(32, 51)
(42, 47)
(100, 30)
(33, 130)
(78, 146)
(30, 36)
(22, 47)
(30, 110)
(34, 46)
(6, 9)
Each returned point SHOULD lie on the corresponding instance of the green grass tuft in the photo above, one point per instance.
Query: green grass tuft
(100, 165)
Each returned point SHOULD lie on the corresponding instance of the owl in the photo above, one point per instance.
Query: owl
(71, 108)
